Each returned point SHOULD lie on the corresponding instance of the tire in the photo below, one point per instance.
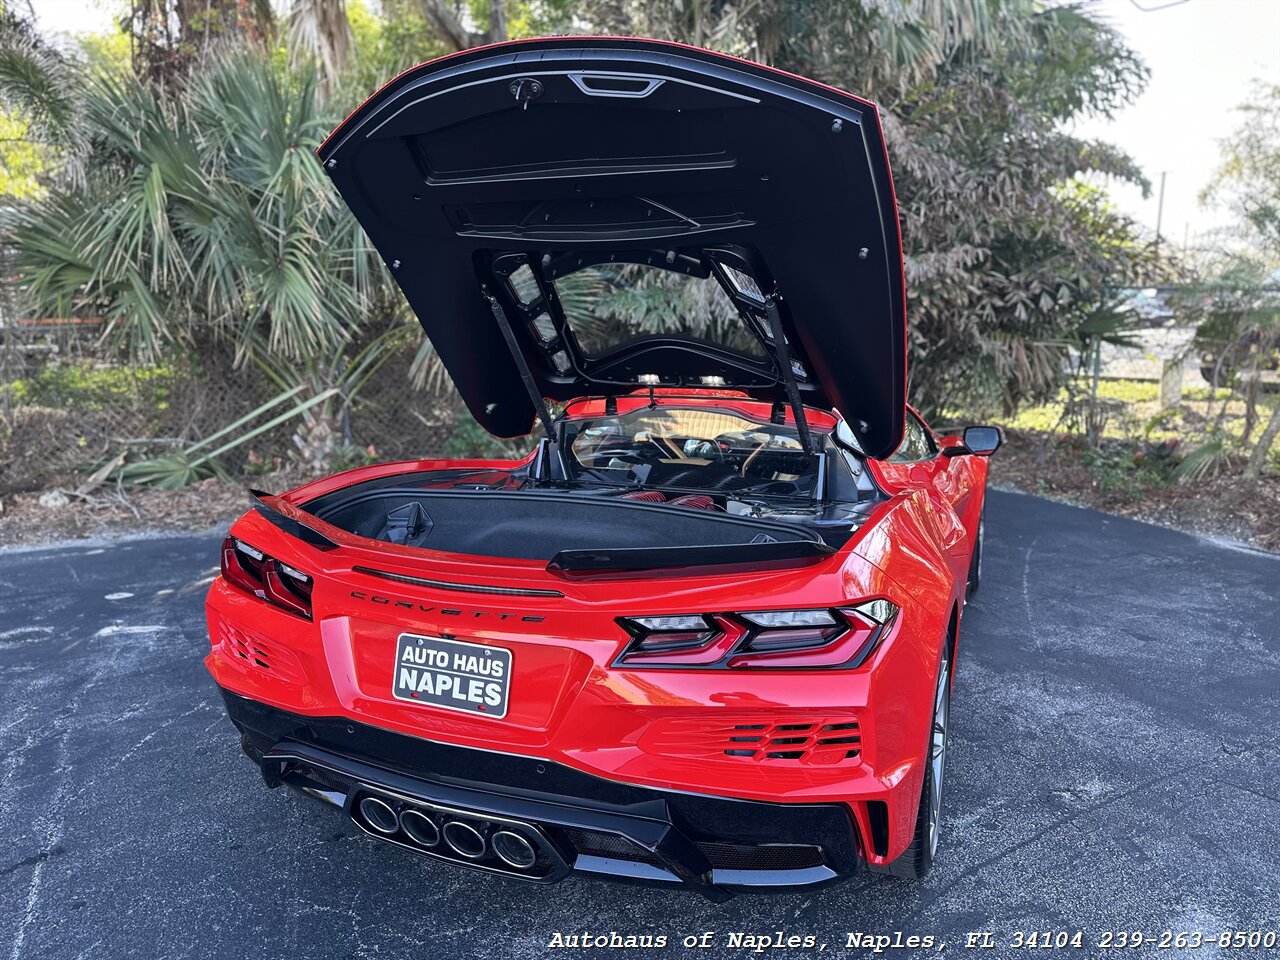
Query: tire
(975, 559)
(918, 858)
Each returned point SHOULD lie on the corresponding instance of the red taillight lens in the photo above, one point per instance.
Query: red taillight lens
(251, 570)
(805, 647)
(242, 566)
(288, 588)
(786, 639)
(681, 647)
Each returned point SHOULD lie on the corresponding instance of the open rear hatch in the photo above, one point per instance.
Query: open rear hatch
(487, 178)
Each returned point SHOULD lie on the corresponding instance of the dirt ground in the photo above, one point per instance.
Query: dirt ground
(61, 514)
(1223, 506)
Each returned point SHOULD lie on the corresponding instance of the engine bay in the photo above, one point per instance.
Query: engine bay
(690, 475)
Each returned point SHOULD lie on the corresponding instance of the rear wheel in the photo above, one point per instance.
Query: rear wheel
(918, 857)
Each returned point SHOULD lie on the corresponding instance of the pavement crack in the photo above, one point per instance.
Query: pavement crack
(1249, 790)
(32, 860)
(1026, 592)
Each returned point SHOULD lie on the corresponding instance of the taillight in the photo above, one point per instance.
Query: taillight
(278, 583)
(766, 639)
(242, 565)
(669, 642)
(288, 588)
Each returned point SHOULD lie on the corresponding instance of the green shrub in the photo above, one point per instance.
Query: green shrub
(469, 439)
(1132, 470)
(83, 385)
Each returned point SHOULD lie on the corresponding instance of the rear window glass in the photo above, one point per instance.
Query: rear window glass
(609, 306)
(697, 449)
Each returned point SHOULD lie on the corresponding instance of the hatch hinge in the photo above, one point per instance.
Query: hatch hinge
(782, 356)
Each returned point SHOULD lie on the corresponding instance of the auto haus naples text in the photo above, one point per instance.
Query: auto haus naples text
(453, 673)
(758, 943)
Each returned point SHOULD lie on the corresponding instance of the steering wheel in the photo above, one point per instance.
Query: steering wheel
(703, 450)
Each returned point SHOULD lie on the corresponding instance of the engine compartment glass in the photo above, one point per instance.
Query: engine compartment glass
(693, 448)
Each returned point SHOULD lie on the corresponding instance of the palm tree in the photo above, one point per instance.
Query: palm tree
(208, 221)
(319, 30)
(37, 87)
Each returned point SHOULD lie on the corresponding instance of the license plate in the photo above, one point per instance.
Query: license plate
(448, 673)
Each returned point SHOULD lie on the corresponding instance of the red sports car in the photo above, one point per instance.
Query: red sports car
(704, 633)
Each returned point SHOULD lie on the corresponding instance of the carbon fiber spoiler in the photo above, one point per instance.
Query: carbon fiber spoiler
(274, 512)
(658, 558)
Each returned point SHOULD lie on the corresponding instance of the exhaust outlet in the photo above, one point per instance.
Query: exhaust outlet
(464, 840)
(380, 815)
(419, 828)
(475, 839)
(514, 849)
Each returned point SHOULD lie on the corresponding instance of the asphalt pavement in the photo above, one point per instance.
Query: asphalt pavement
(1115, 766)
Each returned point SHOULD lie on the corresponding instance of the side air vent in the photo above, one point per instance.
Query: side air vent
(822, 740)
(257, 652)
(248, 650)
(878, 815)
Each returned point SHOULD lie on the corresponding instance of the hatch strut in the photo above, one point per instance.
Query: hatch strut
(530, 385)
(783, 357)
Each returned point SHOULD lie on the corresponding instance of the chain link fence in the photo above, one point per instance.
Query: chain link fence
(67, 409)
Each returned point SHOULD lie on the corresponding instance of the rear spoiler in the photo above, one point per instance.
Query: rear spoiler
(285, 516)
(568, 562)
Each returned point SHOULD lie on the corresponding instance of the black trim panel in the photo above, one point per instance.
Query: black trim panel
(667, 822)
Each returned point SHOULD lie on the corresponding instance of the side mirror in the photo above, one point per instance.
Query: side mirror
(983, 441)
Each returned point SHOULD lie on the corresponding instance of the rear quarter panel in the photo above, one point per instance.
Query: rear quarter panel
(904, 545)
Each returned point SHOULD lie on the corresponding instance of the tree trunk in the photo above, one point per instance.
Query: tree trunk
(168, 37)
(1092, 431)
(447, 24)
(452, 31)
(1253, 470)
(497, 22)
(320, 29)
(1251, 381)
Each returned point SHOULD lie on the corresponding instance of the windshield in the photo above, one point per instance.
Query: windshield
(695, 449)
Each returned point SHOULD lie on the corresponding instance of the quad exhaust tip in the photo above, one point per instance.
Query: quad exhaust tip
(504, 846)
(465, 840)
(514, 849)
(419, 828)
(379, 815)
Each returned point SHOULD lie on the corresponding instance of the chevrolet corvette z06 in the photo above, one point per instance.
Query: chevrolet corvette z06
(704, 632)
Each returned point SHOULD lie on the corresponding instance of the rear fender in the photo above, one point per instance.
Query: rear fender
(902, 546)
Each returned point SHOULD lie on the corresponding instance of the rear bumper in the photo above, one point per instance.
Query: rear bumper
(577, 821)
